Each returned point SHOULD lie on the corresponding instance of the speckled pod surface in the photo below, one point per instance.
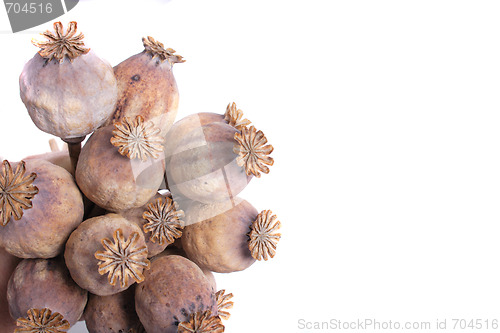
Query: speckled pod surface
(174, 288)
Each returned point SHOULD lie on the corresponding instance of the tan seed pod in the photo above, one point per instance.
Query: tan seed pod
(57, 209)
(204, 167)
(233, 116)
(84, 95)
(112, 181)
(216, 235)
(106, 254)
(38, 284)
(173, 288)
(147, 87)
(173, 250)
(122, 258)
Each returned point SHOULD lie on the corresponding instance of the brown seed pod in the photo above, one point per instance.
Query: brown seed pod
(40, 284)
(204, 168)
(174, 288)
(161, 221)
(8, 263)
(172, 250)
(113, 181)
(216, 235)
(147, 87)
(84, 94)
(233, 116)
(106, 254)
(57, 209)
(194, 122)
(114, 313)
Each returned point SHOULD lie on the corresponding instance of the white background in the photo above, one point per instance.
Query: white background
(385, 118)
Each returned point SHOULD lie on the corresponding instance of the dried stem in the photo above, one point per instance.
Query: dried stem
(53, 145)
(74, 148)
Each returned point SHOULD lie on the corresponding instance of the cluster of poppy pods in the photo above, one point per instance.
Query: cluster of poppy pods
(125, 228)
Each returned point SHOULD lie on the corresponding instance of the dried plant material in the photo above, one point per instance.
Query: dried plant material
(223, 303)
(263, 238)
(252, 151)
(164, 221)
(234, 116)
(16, 191)
(42, 321)
(61, 45)
(122, 259)
(156, 49)
(137, 138)
(201, 322)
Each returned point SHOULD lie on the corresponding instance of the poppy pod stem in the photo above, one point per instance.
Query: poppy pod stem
(74, 148)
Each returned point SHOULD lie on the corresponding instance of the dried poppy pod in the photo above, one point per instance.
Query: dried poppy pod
(172, 250)
(8, 263)
(160, 219)
(147, 87)
(82, 97)
(233, 116)
(116, 182)
(40, 226)
(40, 289)
(216, 235)
(106, 254)
(173, 289)
(114, 313)
(215, 162)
